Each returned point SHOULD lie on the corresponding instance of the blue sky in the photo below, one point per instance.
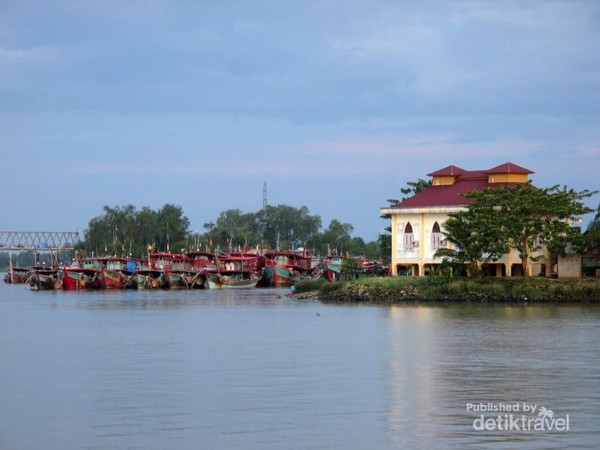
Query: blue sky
(335, 104)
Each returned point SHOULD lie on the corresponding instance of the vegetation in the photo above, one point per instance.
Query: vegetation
(592, 234)
(422, 289)
(125, 230)
(520, 218)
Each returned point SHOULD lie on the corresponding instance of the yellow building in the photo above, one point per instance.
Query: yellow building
(418, 221)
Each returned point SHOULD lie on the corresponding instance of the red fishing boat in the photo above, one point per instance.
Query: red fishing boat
(82, 274)
(169, 270)
(282, 267)
(116, 272)
(234, 272)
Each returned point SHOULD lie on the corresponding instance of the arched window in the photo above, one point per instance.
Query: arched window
(436, 237)
(409, 240)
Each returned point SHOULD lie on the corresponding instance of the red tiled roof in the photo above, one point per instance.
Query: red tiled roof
(447, 171)
(466, 181)
(509, 168)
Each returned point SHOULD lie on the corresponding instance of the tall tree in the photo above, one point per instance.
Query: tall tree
(232, 228)
(521, 218)
(286, 226)
(109, 232)
(473, 235)
(146, 223)
(172, 227)
(123, 230)
(592, 233)
(336, 238)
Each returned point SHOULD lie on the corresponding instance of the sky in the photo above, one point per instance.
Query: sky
(335, 104)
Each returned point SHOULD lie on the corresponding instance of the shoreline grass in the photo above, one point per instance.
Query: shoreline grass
(390, 290)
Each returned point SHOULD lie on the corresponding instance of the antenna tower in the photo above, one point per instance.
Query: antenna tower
(265, 196)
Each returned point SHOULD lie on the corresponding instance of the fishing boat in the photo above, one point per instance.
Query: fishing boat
(333, 265)
(146, 278)
(239, 272)
(169, 270)
(203, 260)
(44, 278)
(116, 272)
(17, 275)
(282, 267)
(177, 269)
(81, 274)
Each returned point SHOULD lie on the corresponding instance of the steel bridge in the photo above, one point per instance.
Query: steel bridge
(38, 240)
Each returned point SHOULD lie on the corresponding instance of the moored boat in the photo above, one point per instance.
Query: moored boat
(283, 267)
(17, 275)
(239, 272)
(145, 278)
(333, 265)
(44, 278)
(169, 270)
(116, 272)
(202, 260)
(75, 278)
(83, 273)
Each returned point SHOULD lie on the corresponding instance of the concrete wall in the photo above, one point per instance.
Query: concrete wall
(569, 266)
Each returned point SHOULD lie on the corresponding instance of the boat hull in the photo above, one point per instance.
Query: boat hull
(17, 276)
(112, 279)
(76, 279)
(231, 281)
(148, 279)
(278, 276)
(44, 281)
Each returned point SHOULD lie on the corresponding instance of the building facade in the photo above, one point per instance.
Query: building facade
(418, 221)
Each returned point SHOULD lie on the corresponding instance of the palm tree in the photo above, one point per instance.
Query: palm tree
(545, 413)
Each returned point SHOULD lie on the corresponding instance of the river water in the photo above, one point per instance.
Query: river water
(257, 370)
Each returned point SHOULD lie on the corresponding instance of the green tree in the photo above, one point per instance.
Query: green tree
(146, 224)
(172, 227)
(108, 233)
(472, 234)
(521, 218)
(123, 230)
(232, 228)
(286, 226)
(592, 233)
(336, 239)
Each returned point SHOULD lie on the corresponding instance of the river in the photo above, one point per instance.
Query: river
(255, 369)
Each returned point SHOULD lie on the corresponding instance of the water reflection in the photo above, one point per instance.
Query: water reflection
(164, 299)
(442, 358)
(258, 370)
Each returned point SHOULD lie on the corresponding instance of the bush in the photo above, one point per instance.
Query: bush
(399, 289)
(310, 285)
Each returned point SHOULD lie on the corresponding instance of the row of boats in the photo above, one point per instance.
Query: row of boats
(189, 270)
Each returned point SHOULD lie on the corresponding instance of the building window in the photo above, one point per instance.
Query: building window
(436, 237)
(409, 240)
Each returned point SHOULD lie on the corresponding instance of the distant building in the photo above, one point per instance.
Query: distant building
(418, 221)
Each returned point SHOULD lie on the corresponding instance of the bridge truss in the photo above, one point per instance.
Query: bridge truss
(38, 240)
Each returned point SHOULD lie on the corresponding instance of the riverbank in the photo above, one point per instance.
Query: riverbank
(391, 290)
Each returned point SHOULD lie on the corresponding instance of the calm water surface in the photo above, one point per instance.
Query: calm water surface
(256, 370)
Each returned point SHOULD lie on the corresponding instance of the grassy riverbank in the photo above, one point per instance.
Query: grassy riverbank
(437, 289)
